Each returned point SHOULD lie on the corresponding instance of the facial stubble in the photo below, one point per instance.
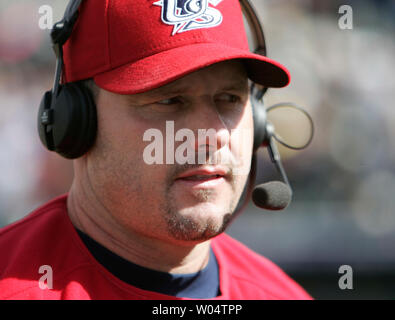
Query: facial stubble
(186, 228)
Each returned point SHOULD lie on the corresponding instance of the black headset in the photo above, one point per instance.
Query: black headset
(67, 120)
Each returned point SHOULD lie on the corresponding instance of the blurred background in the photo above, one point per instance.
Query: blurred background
(343, 209)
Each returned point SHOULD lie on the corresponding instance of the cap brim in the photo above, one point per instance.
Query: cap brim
(167, 66)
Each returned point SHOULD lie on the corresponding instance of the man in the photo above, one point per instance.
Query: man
(131, 228)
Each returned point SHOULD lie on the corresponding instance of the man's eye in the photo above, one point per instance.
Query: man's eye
(227, 97)
(166, 105)
(169, 101)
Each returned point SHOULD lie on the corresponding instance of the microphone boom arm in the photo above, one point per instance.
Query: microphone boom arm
(275, 158)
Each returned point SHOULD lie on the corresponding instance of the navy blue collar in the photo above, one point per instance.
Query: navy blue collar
(199, 285)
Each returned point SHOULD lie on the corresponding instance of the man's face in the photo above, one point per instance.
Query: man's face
(172, 201)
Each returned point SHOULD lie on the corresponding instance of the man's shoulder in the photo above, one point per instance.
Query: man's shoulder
(31, 226)
(255, 272)
(32, 244)
(240, 256)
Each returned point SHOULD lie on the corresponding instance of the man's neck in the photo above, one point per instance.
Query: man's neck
(90, 216)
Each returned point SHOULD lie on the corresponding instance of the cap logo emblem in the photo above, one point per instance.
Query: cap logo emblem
(187, 15)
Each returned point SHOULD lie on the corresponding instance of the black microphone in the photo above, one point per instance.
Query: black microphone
(273, 195)
(277, 195)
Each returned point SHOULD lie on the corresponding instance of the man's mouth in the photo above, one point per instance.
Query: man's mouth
(200, 177)
(208, 177)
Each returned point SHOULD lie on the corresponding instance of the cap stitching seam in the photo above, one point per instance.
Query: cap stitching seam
(200, 38)
(107, 12)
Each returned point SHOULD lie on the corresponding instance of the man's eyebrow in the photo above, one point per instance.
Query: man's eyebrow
(172, 90)
(239, 85)
(179, 89)
(157, 93)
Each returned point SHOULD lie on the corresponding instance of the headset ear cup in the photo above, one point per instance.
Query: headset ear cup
(75, 121)
(43, 131)
(259, 118)
(90, 122)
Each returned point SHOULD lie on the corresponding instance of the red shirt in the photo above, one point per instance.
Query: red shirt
(47, 237)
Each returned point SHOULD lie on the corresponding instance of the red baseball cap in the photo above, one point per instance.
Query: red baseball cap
(132, 46)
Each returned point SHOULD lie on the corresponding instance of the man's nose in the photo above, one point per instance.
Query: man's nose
(210, 127)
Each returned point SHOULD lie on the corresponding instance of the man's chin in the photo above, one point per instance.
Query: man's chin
(198, 223)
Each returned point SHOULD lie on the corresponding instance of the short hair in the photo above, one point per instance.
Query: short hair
(92, 87)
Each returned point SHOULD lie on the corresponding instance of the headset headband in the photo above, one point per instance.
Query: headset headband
(254, 23)
(62, 30)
